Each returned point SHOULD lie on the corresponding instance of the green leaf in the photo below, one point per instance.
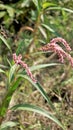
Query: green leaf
(42, 66)
(9, 9)
(43, 32)
(40, 89)
(8, 124)
(61, 8)
(47, 4)
(2, 6)
(11, 73)
(49, 28)
(2, 13)
(14, 86)
(4, 41)
(68, 10)
(2, 71)
(38, 110)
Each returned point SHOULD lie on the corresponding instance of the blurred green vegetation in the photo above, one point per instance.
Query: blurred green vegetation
(25, 25)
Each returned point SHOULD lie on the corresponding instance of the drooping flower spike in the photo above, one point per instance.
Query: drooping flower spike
(18, 61)
(53, 46)
(59, 39)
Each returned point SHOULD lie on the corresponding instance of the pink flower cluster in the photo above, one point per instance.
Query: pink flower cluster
(53, 46)
(18, 60)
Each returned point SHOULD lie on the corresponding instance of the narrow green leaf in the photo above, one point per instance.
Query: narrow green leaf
(2, 71)
(61, 8)
(11, 73)
(43, 32)
(38, 110)
(49, 28)
(14, 86)
(4, 41)
(40, 89)
(8, 124)
(9, 62)
(43, 66)
(68, 10)
(40, 52)
(47, 4)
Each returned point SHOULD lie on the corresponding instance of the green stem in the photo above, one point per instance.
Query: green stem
(7, 99)
(35, 32)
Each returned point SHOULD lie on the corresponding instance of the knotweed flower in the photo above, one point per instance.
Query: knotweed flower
(18, 60)
(53, 46)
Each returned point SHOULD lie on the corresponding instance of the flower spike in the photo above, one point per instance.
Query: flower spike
(18, 60)
(53, 46)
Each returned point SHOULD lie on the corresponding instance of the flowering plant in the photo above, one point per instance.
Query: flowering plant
(14, 82)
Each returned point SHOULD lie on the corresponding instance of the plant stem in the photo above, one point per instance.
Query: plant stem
(7, 99)
(35, 33)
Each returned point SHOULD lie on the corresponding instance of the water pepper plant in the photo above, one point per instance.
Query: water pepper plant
(24, 72)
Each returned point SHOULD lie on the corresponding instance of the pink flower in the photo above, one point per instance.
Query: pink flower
(18, 60)
(52, 46)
